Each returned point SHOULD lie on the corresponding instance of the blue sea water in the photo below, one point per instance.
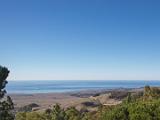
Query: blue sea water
(48, 86)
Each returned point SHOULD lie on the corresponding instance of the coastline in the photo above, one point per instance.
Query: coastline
(50, 86)
(72, 99)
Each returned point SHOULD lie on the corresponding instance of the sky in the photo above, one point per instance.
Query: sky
(80, 39)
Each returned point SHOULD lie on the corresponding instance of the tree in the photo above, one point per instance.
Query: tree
(73, 114)
(56, 113)
(6, 104)
(129, 98)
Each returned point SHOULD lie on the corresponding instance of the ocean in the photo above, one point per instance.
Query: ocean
(49, 86)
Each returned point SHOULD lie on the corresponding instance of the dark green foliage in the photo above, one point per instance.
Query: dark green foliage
(73, 114)
(116, 113)
(140, 110)
(129, 98)
(6, 104)
(57, 113)
(3, 75)
(134, 108)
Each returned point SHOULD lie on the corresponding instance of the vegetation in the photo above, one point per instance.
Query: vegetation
(145, 107)
(57, 113)
(134, 107)
(6, 104)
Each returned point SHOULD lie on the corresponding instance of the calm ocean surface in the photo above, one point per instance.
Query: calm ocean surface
(48, 86)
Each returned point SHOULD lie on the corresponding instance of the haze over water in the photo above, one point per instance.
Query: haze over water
(49, 86)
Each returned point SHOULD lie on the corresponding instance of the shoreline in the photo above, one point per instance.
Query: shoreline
(75, 91)
(72, 99)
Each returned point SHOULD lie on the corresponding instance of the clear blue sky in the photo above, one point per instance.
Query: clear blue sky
(80, 39)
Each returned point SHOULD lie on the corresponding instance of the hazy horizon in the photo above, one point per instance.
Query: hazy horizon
(80, 40)
(84, 80)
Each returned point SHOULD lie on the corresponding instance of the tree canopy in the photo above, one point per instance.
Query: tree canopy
(6, 104)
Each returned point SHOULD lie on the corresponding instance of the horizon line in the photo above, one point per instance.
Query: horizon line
(86, 80)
